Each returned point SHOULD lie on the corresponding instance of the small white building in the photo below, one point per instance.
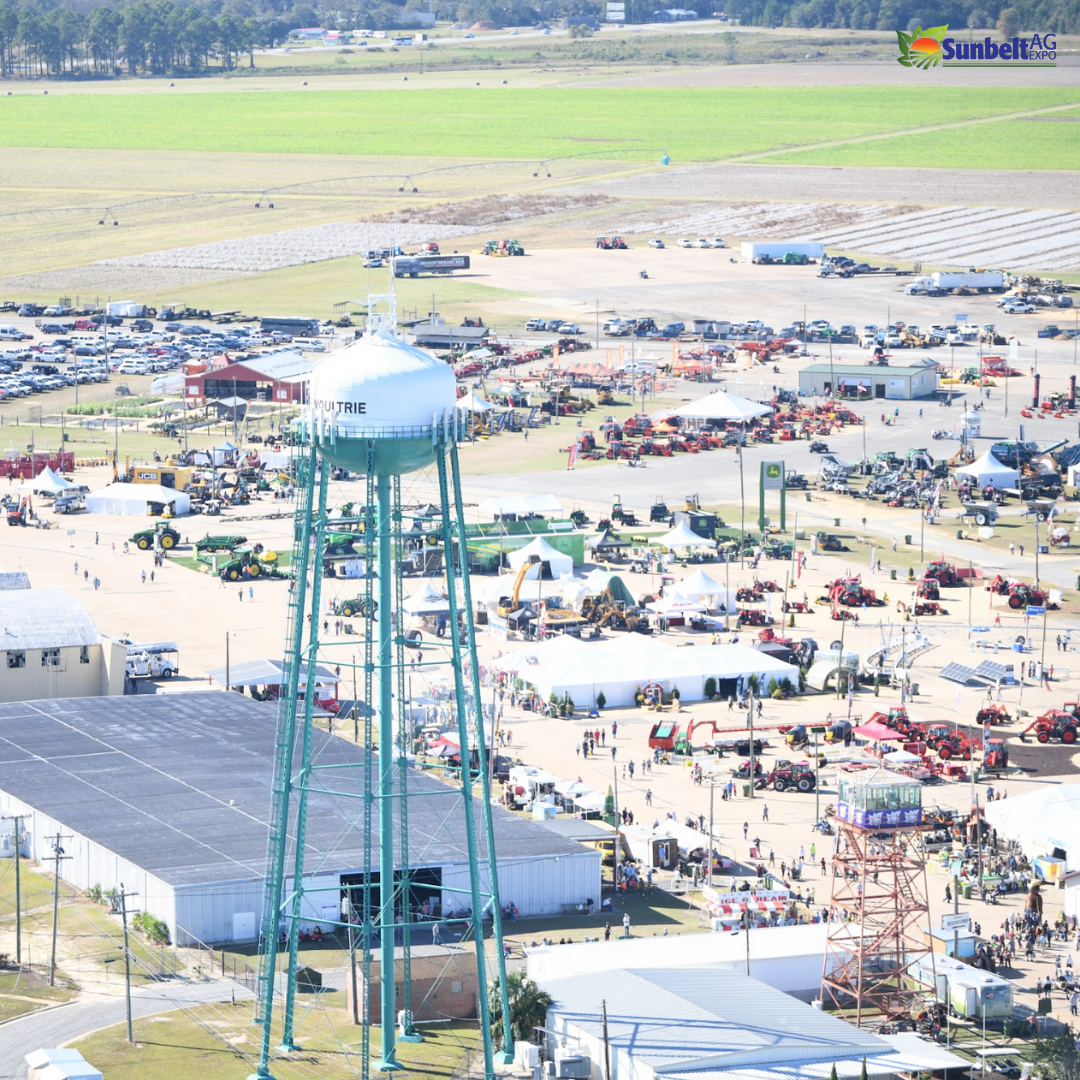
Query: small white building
(51, 648)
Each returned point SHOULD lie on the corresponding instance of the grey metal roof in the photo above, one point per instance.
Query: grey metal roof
(575, 829)
(179, 785)
(458, 335)
(14, 579)
(44, 619)
(686, 1019)
(265, 673)
(288, 366)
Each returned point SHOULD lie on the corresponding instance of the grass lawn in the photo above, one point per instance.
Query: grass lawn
(36, 889)
(219, 1042)
(531, 123)
(23, 992)
(1008, 144)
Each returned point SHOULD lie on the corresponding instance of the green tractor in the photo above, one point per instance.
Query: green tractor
(356, 606)
(163, 532)
(257, 562)
(219, 543)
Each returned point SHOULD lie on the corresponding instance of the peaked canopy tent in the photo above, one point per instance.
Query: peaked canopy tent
(426, 602)
(558, 564)
(622, 666)
(46, 483)
(720, 406)
(988, 470)
(683, 536)
(223, 452)
(474, 403)
(606, 541)
(878, 732)
(701, 586)
(138, 499)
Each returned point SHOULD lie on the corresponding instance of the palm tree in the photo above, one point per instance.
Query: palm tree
(528, 1008)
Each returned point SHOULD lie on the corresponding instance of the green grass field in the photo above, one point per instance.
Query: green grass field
(692, 124)
(1006, 144)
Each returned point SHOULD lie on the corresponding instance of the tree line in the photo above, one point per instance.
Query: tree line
(1008, 16)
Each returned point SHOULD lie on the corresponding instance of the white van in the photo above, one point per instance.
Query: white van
(134, 367)
(308, 345)
(12, 333)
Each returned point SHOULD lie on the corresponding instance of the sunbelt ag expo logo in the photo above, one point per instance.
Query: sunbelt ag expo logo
(933, 46)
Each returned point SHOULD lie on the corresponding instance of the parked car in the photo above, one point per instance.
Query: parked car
(536, 324)
(686, 243)
(656, 243)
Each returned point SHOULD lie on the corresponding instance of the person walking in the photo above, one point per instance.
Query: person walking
(97, 583)
(251, 599)
(626, 924)
(648, 797)
(746, 830)
(144, 577)
(613, 749)
(765, 812)
(76, 567)
(97, 539)
(240, 594)
(151, 577)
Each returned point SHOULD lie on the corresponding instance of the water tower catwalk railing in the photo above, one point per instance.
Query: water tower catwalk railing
(379, 923)
(878, 911)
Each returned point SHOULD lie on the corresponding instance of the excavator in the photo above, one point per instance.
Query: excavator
(509, 604)
(718, 731)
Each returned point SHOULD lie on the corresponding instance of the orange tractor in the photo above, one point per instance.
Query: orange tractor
(1053, 724)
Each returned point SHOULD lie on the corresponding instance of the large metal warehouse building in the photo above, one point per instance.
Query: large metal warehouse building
(170, 795)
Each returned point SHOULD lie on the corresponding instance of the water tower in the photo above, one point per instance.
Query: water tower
(382, 410)
(878, 910)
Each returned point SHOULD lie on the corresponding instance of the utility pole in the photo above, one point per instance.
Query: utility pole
(750, 720)
(58, 855)
(18, 820)
(127, 958)
(712, 796)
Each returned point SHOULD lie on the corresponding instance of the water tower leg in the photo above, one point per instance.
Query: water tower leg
(388, 1011)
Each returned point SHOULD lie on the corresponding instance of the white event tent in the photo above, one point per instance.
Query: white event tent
(1041, 821)
(621, 665)
(683, 536)
(474, 403)
(988, 470)
(700, 586)
(720, 406)
(558, 563)
(137, 499)
(428, 601)
(46, 483)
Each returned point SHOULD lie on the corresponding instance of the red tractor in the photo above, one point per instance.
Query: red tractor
(929, 607)
(850, 593)
(753, 617)
(929, 589)
(958, 745)
(996, 758)
(792, 775)
(943, 573)
(1053, 724)
(993, 714)
(1022, 596)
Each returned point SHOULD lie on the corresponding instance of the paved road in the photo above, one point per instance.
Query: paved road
(54, 1026)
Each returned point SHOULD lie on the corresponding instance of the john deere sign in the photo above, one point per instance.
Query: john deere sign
(772, 479)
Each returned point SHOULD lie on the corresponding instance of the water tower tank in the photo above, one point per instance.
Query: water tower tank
(380, 390)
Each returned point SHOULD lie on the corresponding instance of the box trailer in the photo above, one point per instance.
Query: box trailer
(755, 250)
(125, 309)
(941, 284)
(414, 265)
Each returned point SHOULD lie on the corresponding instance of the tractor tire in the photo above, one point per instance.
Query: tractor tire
(780, 784)
(234, 574)
(168, 542)
(254, 570)
(804, 785)
(944, 752)
(1068, 735)
(143, 544)
(348, 611)
(1043, 736)
(1016, 601)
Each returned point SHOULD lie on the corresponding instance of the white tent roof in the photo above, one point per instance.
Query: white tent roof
(473, 402)
(547, 505)
(560, 564)
(683, 536)
(46, 483)
(988, 469)
(720, 406)
(135, 499)
(488, 590)
(1041, 821)
(428, 601)
(618, 666)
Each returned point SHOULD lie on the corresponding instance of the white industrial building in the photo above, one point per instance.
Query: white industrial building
(170, 795)
(51, 648)
(702, 1023)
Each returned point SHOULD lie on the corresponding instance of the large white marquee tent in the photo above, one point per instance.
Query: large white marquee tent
(621, 665)
(720, 406)
(558, 563)
(137, 499)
